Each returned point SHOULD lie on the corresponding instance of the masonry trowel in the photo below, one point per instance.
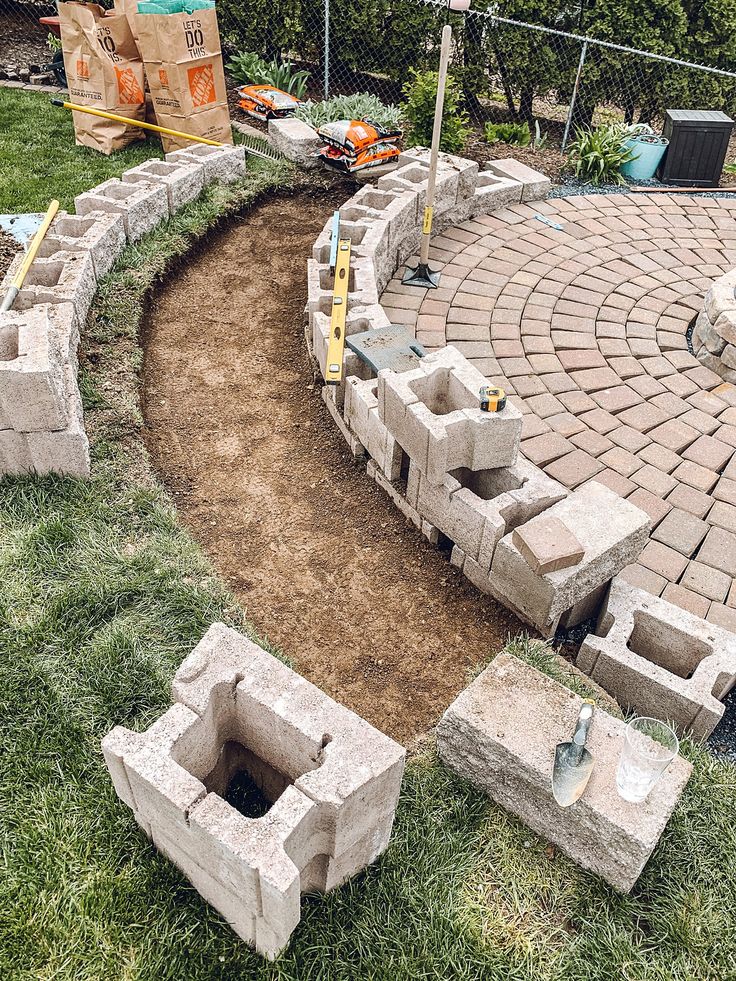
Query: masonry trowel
(573, 762)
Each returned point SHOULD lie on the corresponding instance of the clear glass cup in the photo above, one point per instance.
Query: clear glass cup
(649, 748)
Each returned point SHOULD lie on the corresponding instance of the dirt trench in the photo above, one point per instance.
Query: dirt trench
(323, 562)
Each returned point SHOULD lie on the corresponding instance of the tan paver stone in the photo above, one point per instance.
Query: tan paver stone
(629, 439)
(544, 449)
(707, 581)
(655, 481)
(681, 531)
(600, 420)
(674, 435)
(595, 379)
(637, 575)
(574, 468)
(621, 461)
(659, 457)
(693, 602)
(663, 560)
(723, 515)
(722, 616)
(695, 475)
(719, 550)
(546, 544)
(616, 399)
(725, 490)
(618, 484)
(690, 499)
(565, 423)
(591, 441)
(654, 506)
(709, 453)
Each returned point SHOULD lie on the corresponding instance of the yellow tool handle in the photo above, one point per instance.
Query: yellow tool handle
(30, 256)
(133, 122)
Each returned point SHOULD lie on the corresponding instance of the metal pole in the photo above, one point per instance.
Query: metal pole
(422, 276)
(327, 49)
(573, 99)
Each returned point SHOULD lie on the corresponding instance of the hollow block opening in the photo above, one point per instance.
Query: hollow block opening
(665, 645)
(442, 393)
(244, 780)
(46, 274)
(119, 192)
(488, 484)
(73, 227)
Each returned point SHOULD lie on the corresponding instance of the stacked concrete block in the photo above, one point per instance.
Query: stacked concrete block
(331, 779)
(101, 235)
(611, 531)
(500, 734)
(714, 335)
(41, 428)
(433, 413)
(659, 660)
(534, 186)
(363, 420)
(183, 181)
(362, 290)
(64, 277)
(221, 163)
(296, 140)
(142, 206)
(476, 509)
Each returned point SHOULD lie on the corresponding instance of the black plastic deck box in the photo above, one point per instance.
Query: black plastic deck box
(698, 144)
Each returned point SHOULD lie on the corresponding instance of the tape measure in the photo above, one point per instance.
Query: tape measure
(492, 399)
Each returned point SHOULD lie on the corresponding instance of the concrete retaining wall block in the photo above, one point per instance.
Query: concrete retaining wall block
(659, 660)
(296, 140)
(359, 318)
(65, 277)
(332, 781)
(183, 181)
(34, 350)
(534, 186)
(362, 290)
(572, 595)
(433, 413)
(222, 163)
(100, 234)
(500, 734)
(142, 206)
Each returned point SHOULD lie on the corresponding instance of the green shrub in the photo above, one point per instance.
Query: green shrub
(420, 93)
(248, 68)
(359, 106)
(516, 134)
(598, 154)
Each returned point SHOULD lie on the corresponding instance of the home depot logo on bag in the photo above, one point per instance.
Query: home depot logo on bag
(129, 91)
(82, 69)
(201, 85)
(163, 78)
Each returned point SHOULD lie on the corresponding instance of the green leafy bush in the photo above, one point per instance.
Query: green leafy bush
(359, 106)
(516, 134)
(598, 154)
(420, 93)
(248, 68)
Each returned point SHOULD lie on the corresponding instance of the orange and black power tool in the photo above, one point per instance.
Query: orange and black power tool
(492, 399)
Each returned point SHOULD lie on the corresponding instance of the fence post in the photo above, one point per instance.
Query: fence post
(327, 49)
(573, 99)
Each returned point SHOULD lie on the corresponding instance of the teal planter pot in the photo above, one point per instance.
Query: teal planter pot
(648, 152)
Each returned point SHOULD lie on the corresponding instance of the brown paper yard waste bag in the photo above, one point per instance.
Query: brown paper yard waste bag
(104, 70)
(183, 62)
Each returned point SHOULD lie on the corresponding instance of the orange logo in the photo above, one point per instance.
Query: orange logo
(163, 77)
(201, 85)
(129, 91)
(82, 69)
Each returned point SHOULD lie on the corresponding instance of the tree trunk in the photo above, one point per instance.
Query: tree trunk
(526, 105)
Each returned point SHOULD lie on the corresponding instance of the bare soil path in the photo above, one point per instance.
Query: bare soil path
(325, 565)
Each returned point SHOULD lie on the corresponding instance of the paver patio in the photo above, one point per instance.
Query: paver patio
(586, 329)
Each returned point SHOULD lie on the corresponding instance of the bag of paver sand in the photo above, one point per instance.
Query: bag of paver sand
(180, 45)
(104, 70)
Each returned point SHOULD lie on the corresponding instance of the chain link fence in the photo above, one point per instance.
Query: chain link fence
(507, 69)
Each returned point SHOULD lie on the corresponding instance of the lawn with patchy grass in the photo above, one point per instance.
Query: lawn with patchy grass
(102, 593)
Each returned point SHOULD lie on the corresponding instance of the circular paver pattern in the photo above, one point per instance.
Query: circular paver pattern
(586, 327)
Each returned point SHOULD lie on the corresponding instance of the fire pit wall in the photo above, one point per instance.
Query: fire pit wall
(321, 786)
(714, 334)
(41, 421)
(458, 475)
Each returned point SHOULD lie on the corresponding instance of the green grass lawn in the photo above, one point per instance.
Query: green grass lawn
(39, 159)
(102, 593)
